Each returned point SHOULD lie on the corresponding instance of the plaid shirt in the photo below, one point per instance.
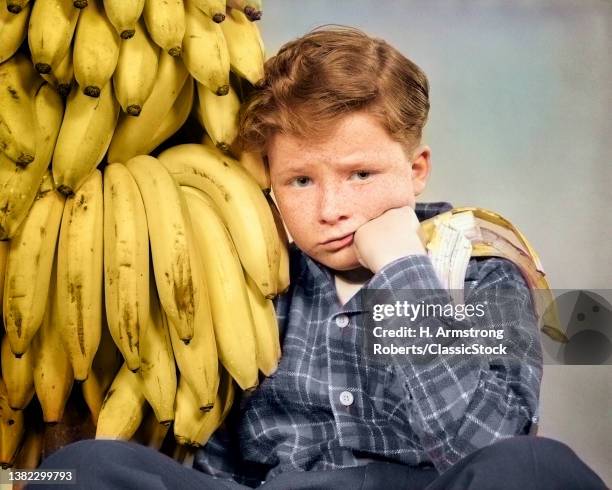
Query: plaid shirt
(411, 413)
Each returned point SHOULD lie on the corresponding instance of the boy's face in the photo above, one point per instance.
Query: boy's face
(325, 190)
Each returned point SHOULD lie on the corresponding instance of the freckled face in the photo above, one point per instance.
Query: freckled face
(325, 190)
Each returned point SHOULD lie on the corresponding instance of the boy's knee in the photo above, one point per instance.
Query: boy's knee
(82, 453)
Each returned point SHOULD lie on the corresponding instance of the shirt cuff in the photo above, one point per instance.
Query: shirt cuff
(414, 271)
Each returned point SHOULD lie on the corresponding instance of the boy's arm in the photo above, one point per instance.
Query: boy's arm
(458, 404)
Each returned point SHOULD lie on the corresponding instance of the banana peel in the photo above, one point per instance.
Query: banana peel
(489, 234)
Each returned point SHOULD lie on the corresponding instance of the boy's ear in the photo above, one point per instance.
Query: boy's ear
(421, 167)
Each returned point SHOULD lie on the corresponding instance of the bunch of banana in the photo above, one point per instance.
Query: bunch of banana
(148, 280)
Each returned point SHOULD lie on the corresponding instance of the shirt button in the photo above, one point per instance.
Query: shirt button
(346, 398)
(342, 321)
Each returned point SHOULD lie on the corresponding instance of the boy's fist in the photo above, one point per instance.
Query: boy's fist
(390, 236)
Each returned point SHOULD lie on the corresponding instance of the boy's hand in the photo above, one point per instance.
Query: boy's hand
(393, 234)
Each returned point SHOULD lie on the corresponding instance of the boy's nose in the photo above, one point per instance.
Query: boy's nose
(332, 206)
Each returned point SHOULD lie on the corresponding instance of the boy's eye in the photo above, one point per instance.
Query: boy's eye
(362, 175)
(300, 181)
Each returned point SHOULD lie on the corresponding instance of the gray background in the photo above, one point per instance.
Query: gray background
(520, 123)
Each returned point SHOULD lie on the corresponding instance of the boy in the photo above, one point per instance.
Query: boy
(340, 118)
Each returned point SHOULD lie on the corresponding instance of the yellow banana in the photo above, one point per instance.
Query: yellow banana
(165, 21)
(123, 408)
(251, 8)
(283, 266)
(124, 15)
(52, 24)
(16, 6)
(255, 165)
(175, 118)
(133, 134)
(19, 186)
(52, 370)
(4, 249)
(62, 75)
(192, 427)
(136, 71)
(266, 329)
(169, 235)
(30, 453)
(17, 374)
(13, 30)
(19, 83)
(12, 428)
(28, 270)
(242, 205)
(84, 137)
(96, 49)
(106, 363)
(126, 261)
(218, 114)
(205, 50)
(229, 301)
(157, 367)
(79, 274)
(215, 9)
(246, 56)
(198, 361)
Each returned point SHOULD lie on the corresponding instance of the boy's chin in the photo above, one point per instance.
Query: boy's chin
(343, 260)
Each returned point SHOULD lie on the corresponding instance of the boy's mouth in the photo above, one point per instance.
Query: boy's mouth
(336, 244)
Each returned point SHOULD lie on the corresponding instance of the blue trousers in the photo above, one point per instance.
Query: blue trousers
(517, 463)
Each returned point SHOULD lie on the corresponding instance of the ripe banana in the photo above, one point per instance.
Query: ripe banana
(123, 408)
(12, 428)
(85, 135)
(218, 114)
(52, 24)
(13, 30)
(255, 165)
(19, 186)
(198, 361)
(80, 4)
(192, 427)
(251, 8)
(242, 205)
(205, 50)
(266, 329)
(157, 367)
(28, 270)
(62, 75)
(96, 49)
(19, 83)
(246, 56)
(30, 453)
(126, 261)
(4, 249)
(106, 363)
(79, 274)
(124, 15)
(165, 21)
(17, 374)
(283, 266)
(229, 301)
(169, 235)
(132, 135)
(175, 118)
(215, 9)
(151, 433)
(16, 6)
(52, 370)
(136, 71)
